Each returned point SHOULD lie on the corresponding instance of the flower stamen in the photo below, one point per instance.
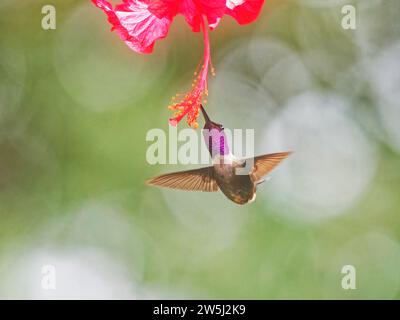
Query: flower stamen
(190, 102)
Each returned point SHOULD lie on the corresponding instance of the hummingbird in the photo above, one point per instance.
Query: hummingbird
(223, 174)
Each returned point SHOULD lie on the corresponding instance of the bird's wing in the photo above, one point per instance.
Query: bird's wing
(190, 180)
(265, 163)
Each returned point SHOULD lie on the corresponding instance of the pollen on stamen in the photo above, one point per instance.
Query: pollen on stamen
(189, 103)
(213, 72)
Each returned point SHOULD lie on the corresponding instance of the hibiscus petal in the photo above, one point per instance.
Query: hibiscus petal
(194, 10)
(138, 23)
(244, 11)
(191, 13)
(212, 9)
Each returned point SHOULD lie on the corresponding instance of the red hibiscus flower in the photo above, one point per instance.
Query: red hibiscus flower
(141, 22)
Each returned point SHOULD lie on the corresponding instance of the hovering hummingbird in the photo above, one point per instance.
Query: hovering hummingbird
(223, 174)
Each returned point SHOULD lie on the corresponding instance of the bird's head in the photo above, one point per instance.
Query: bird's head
(214, 136)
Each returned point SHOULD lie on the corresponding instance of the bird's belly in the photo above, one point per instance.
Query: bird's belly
(238, 188)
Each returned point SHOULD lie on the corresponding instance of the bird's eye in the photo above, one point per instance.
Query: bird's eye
(221, 127)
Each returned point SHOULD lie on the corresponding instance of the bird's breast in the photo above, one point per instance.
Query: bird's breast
(238, 188)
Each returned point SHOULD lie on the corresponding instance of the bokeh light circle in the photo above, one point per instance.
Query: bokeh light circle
(253, 78)
(333, 162)
(376, 259)
(384, 72)
(85, 273)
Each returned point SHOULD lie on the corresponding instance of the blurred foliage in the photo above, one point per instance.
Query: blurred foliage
(75, 107)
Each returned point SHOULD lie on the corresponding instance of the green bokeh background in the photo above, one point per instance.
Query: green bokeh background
(76, 105)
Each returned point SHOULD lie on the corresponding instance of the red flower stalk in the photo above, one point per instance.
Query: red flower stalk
(141, 22)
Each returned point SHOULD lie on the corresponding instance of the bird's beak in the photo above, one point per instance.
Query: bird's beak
(205, 115)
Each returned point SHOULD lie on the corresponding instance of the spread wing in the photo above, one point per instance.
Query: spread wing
(190, 180)
(265, 163)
